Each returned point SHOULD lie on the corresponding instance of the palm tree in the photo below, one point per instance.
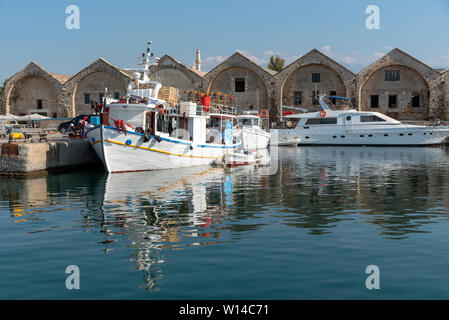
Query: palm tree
(276, 63)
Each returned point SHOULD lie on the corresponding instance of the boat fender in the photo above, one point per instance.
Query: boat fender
(323, 113)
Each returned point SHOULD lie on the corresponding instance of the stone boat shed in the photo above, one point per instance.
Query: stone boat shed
(397, 84)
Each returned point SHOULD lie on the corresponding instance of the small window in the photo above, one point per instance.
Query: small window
(239, 84)
(39, 103)
(385, 134)
(116, 96)
(86, 98)
(315, 98)
(316, 77)
(415, 101)
(374, 101)
(321, 121)
(348, 118)
(392, 101)
(392, 75)
(361, 136)
(297, 98)
(371, 119)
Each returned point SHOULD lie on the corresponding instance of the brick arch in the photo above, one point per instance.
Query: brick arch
(263, 78)
(237, 60)
(419, 85)
(400, 59)
(99, 66)
(300, 79)
(256, 91)
(169, 63)
(32, 70)
(315, 57)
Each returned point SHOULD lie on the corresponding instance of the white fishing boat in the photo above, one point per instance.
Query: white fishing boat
(141, 132)
(351, 127)
(253, 136)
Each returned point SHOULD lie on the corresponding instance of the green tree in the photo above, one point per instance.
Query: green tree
(276, 63)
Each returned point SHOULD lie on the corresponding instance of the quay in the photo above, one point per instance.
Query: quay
(57, 153)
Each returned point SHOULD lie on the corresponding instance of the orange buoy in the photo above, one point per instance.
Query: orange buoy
(263, 113)
(323, 113)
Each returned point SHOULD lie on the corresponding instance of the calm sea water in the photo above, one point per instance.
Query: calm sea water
(308, 231)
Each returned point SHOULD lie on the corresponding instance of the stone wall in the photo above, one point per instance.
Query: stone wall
(257, 82)
(263, 89)
(33, 157)
(301, 81)
(297, 76)
(28, 91)
(94, 85)
(409, 85)
(254, 94)
(416, 78)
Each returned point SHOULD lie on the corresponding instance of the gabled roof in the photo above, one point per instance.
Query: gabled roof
(169, 60)
(106, 63)
(317, 53)
(240, 55)
(60, 78)
(399, 52)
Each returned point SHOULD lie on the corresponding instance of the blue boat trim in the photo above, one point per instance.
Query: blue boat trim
(177, 141)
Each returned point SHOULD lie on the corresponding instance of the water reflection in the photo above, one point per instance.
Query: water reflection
(397, 190)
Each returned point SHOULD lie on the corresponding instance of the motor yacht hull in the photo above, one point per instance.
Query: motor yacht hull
(396, 136)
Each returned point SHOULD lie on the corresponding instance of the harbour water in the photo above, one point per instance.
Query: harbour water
(307, 231)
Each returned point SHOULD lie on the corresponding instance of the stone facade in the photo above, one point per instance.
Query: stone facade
(89, 85)
(313, 72)
(33, 89)
(413, 80)
(246, 82)
(173, 73)
(415, 91)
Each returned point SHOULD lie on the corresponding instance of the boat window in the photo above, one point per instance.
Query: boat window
(371, 119)
(321, 121)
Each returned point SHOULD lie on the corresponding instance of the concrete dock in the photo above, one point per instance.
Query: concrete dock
(59, 153)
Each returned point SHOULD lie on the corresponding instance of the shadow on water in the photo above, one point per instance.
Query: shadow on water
(398, 190)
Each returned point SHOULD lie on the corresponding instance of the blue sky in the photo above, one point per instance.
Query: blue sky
(118, 30)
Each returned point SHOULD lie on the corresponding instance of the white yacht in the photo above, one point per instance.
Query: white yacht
(252, 133)
(140, 132)
(351, 127)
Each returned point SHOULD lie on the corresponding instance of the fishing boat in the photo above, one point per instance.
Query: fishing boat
(351, 127)
(141, 132)
(253, 136)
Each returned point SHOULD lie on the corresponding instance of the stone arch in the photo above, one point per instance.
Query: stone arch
(92, 81)
(316, 59)
(175, 74)
(416, 80)
(38, 84)
(257, 81)
(300, 80)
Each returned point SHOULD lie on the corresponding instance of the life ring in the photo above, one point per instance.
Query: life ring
(263, 113)
(323, 113)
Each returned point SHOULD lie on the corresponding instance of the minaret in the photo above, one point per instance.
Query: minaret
(198, 60)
